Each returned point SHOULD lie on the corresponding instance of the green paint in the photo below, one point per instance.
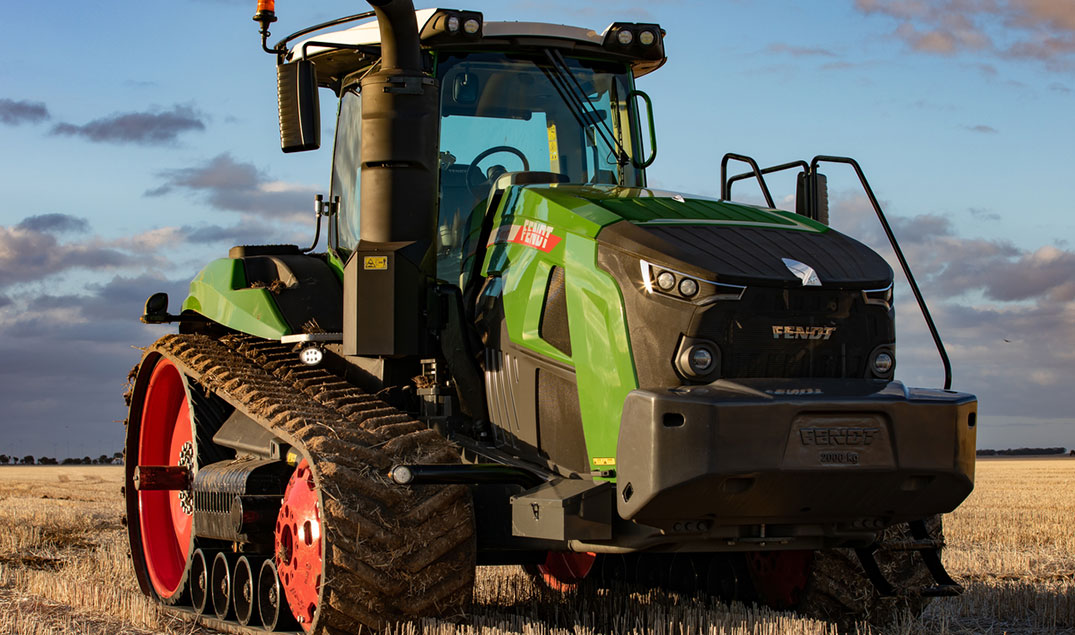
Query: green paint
(601, 349)
(335, 263)
(220, 293)
(646, 206)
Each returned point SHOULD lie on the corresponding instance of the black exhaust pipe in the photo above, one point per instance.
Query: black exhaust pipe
(385, 282)
(400, 133)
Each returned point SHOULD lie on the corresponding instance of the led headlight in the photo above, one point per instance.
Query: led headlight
(882, 364)
(311, 355)
(697, 359)
(625, 37)
(701, 360)
(453, 23)
(471, 26)
(686, 287)
(647, 38)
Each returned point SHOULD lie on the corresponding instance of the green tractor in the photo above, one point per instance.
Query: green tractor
(514, 352)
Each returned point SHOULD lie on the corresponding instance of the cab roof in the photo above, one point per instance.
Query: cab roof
(362, 42)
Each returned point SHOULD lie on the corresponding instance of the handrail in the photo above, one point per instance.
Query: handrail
(725, 186)
(281, 46)
(769, 170)
(899, 255)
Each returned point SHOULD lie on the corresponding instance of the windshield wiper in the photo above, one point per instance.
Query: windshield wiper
(581, 107)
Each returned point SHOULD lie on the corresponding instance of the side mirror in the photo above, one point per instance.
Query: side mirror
(300, 111)
(812, 196)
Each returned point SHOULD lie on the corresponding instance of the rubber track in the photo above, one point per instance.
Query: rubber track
(839, 591)
(392, 553)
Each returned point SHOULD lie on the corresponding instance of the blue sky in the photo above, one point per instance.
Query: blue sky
(138, 140)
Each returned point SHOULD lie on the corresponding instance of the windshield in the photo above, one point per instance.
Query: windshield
(507, 113)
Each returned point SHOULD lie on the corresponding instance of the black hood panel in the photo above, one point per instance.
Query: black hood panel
(754, 255)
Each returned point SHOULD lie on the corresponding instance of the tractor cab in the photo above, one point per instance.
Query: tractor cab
(553, 101)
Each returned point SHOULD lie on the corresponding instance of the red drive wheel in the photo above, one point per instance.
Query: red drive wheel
(779, 577)
(165, 438)
(298, 545)
(563, 570)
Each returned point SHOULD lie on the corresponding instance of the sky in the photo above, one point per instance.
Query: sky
(139, 140)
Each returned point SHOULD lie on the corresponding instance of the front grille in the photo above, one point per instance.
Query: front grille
(801, 333)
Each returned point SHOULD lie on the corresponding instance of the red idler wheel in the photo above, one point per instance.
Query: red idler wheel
(563, 571)
(779, 577)
(299, 559)
(165, 516)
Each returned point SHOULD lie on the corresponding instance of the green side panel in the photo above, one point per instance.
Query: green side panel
(220, 293)
(601, 350)
(604, 366)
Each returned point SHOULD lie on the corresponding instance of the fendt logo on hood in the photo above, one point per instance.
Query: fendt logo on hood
(803, 332)
(534, 234)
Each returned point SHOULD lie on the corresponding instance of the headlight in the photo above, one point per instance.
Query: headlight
(688, 287)
(685, 287)
(698, 359)
(882, 363)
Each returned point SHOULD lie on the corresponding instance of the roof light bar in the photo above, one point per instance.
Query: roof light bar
(644, 41)
(447, 27)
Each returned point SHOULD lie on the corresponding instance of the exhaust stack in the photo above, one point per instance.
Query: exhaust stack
(384, 281)
(400, 133)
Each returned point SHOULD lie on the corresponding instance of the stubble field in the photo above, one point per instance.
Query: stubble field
(64, 569)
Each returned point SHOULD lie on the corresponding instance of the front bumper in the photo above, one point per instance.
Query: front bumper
(844, 454)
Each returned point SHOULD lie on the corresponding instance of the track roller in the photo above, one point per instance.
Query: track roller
(199, 581)
(272, 606)
(243, 591)
(220, 585)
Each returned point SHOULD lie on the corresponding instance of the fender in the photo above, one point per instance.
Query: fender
(268, 291)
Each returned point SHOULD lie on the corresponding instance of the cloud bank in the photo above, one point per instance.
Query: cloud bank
(143, 128)
(14, 113)
(1041, 30)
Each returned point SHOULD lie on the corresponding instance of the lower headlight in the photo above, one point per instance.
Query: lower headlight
(698, 359)
(701, 360)
(882, 364)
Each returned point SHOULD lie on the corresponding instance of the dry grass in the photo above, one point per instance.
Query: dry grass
(1012, 543)
(64, 569)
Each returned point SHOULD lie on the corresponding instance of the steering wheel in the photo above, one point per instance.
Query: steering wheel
(473, 183)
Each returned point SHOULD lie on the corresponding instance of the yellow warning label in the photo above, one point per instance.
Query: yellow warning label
(375, 263)
(604, 461)
(554, 149)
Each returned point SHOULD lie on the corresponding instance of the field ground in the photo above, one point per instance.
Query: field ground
(64, 569)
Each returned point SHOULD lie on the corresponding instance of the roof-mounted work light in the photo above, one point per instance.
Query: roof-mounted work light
(447, 27)
(641, 41)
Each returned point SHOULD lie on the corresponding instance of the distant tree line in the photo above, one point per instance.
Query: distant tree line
(1024, 452)
(30, 459)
